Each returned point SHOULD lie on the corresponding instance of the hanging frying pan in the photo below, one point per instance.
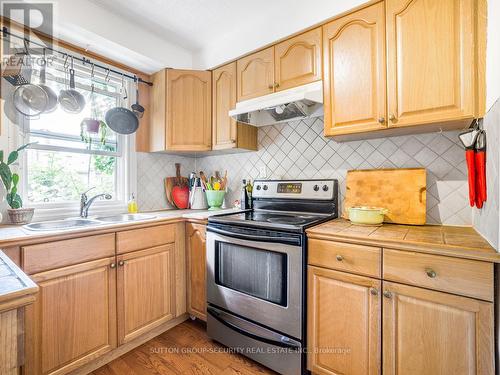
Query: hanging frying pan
(122, 120)
(51, 95)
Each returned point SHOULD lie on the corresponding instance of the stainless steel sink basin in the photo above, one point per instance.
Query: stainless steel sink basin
(61, 224)
(124, 218)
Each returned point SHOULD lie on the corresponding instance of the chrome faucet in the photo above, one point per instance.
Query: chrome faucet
(85, 203)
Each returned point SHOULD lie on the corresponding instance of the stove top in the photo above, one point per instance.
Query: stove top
(295, 221)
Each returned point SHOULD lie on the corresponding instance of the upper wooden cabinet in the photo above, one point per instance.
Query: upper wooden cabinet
(226, 132)
(181, 111)
(431, 60)
(298, 60)
(455, 334)
(255, 74)
(354, 80)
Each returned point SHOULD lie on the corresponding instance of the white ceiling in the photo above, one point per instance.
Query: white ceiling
(152, 34)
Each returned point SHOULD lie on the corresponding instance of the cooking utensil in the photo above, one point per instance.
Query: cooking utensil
(51, 95)
(401, 191)
(18, 70)
(71, 100)
(121, 119)
(364, 215)
(468, 139)
(480, 168)
(137, 108)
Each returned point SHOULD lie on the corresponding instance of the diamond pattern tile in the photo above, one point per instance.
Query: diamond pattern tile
(291, 151)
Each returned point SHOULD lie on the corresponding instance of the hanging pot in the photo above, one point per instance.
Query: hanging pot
(137, 108)
(51, 95)
(71, 100)
(122, 120)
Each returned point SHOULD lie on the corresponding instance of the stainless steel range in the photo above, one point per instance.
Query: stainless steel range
(256, 271)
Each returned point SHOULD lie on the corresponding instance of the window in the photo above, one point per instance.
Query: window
(69, 158)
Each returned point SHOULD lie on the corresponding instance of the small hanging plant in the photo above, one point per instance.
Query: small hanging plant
(92, 126)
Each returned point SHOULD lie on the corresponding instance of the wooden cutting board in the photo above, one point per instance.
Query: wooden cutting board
(173, 182)
(401, 191)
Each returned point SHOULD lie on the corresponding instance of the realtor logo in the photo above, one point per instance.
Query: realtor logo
(36, 17)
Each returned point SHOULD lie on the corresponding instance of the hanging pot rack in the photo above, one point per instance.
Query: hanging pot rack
(83, 60)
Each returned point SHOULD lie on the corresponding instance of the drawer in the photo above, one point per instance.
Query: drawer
(465, 277)
(363, 260)
(50, 255)
(144, 238)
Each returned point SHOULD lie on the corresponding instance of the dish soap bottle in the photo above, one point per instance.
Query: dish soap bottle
(244, 196)
(132, 205)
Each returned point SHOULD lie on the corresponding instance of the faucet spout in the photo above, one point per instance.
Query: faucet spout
(85, 203)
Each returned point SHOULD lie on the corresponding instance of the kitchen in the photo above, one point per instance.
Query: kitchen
(164, 269)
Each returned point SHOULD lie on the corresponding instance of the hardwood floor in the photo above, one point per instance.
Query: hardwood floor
(185, 349)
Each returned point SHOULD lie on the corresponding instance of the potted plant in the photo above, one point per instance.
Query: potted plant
(10, 180)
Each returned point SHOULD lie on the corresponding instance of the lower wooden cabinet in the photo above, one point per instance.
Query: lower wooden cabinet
(73, 320)
(146, 293)
(343, 323)
(428, 332)
(197, 284)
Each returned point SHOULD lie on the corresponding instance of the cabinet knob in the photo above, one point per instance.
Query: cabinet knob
(277, 85)
(340, 258)
(271, 86)
(121, 263)
(112, 265)
(381, 120)
(392, 117)
(373, 291)
(387, 294)
(430, 272)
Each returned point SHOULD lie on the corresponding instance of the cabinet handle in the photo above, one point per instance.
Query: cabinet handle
(121, 263)
(340, 258)
(277, 85)
(387, 294)
(392, 117)
(270, 86)
(430, 272)
(381, 120)
(112, 265)
(374, 291)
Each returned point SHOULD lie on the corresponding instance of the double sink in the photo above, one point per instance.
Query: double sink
(81, 223)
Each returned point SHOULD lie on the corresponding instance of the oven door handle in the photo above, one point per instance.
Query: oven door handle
(284, 343)
(286, 240)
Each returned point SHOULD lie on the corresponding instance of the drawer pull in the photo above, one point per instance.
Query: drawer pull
(431, 273)
(387, 294)
(112, 265)
(374, 291)
(340, 258)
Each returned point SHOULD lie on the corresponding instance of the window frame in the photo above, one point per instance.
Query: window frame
(126, 169)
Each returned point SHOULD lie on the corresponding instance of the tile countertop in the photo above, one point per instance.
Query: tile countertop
(16, 289)
(14, 235)
(462, 242)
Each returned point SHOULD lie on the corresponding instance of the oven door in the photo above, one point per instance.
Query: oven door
(257, 276)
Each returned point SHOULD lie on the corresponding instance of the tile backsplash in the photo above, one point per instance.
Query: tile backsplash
(299, 150)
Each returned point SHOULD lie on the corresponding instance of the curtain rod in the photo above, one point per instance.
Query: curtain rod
(5, 32)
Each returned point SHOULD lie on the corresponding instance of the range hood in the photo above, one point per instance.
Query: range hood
(287, 105)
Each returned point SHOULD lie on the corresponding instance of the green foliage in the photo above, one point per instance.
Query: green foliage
(11, 180)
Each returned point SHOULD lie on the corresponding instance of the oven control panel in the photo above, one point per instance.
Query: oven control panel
(295, 189)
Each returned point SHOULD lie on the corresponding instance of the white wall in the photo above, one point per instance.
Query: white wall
(255, 33)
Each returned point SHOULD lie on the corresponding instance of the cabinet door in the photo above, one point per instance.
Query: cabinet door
(298, 60)
(189, 110)
(197, 263)
(146, 291)
(430, 60)
(224, 99)
(343, 323)
(427, 332)
(256, 74)
(354, 78)
(73, 320)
